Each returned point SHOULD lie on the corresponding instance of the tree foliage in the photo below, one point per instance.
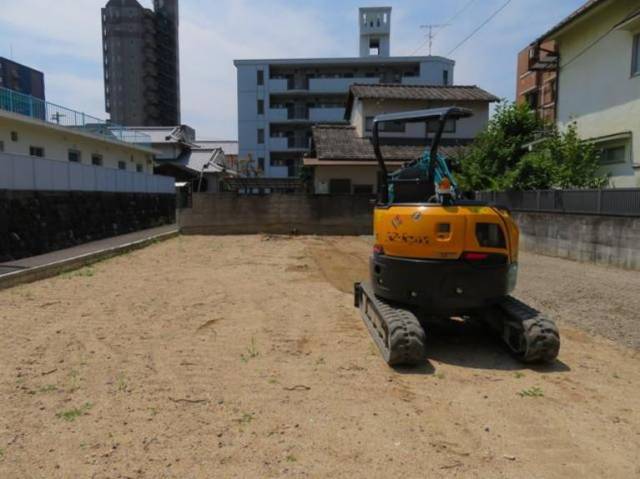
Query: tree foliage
(498, 159)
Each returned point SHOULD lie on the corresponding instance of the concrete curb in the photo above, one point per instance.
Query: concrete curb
(30, 275)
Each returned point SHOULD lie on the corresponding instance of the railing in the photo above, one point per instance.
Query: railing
(611, 202)
(42, 110)
(21, 172)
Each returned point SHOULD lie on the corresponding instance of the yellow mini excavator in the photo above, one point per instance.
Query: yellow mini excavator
(438, 256)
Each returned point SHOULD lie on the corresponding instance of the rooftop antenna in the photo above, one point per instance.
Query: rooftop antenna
(11, 51)
(430, 33)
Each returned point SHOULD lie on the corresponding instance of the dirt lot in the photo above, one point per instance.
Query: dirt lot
(244, 357)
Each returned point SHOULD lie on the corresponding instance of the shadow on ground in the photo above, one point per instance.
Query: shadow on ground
(471, 345)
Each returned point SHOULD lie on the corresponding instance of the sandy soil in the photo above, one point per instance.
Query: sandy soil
(244, 357)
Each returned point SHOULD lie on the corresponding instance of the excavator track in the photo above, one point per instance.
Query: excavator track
(395, 330)
(530, 335)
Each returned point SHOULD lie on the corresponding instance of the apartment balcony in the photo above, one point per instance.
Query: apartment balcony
(44, 111)
(338, 85)
(278, 85)
(288, 144)
(278, 143)
(277, 114)
(326, 114)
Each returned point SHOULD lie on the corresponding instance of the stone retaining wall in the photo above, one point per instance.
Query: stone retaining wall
(37, 222)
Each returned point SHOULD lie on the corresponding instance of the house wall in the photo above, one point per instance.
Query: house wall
(358, 175)
(465, 128)
(57, 144)
(596, 89)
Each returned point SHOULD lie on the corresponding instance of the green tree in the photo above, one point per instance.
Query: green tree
(498, 149)
(498, 159)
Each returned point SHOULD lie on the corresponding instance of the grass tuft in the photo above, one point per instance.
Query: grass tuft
(534, 392)
(71, 415)
(252, 352)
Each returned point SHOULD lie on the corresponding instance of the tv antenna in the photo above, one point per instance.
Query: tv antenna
(430, 33)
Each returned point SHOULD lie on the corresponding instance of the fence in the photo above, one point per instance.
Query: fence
(19, 172)
(609, 202)
(39, 109)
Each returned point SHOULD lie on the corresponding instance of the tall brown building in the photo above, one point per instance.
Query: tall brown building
(141, 63)
(537, 74)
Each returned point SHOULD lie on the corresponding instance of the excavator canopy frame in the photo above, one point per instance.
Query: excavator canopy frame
(415, 116)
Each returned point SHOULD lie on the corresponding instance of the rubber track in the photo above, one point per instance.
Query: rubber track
(402, 339)
(532, 336)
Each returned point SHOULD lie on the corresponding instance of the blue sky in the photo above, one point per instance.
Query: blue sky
(65, 43)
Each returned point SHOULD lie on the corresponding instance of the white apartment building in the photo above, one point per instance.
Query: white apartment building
(280, 99)
(599, 82)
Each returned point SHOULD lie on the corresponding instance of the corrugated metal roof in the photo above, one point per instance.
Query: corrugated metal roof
(340, 142)
(398, 91)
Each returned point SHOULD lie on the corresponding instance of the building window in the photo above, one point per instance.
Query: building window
(338, 186)
(260, 136)
(362, 189)
(1, 146)
(261, 164)
(393, 126)
(14, 136)
(122, 165)
(36, 151)
(96, 160)
(612, 154)
(449, 126)
(139, 168)
(74, 156)
(390, 127)
(260, 77)
(635, 62)
(445, 77)
(260, 107)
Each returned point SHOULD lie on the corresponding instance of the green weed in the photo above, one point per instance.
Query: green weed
(531, 392)
(121, 383)
(518, 374)
(291, 458)
(47, 388)
(440, 375)
(72, 414)
(86, 272)
(252, 352)
(246, 418)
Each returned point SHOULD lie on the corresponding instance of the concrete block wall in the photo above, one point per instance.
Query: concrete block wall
(606, 240)
(228, 213)
(37, 222)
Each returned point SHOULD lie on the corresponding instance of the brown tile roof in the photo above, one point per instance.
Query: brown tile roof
(340, 142)
(397, 91)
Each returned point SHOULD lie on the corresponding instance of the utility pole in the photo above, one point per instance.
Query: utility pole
(430, 34)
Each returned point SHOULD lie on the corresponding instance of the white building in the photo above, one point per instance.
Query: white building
(48, 147)
(599, 82)
(280, 99)
(343, 157)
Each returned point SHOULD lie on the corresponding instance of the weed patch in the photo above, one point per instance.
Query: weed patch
(71, 415)
(534, 392)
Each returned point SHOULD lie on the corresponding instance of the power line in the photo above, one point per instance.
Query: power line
(447, 23)
(491, 17)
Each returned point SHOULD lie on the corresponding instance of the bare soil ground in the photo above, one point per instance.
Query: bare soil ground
(244, 357)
